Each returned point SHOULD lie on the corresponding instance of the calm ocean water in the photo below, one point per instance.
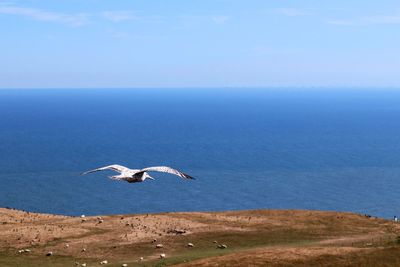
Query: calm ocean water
(248, 149)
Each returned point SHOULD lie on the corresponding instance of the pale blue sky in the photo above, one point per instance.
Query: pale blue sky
(203, 43)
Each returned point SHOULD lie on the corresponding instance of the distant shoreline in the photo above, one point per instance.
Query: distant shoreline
(188, 212)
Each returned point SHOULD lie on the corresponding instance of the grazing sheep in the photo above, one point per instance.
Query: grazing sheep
(103, 262)
(159, 246)
(50, 253)
(162, 255)
(190, 245)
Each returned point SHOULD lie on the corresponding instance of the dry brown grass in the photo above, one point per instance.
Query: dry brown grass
(254, 238)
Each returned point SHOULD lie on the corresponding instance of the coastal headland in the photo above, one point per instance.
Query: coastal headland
(232, 238)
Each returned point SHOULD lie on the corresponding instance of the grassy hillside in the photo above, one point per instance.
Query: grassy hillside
(256, 238)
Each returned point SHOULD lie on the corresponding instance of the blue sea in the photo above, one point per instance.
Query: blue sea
(323, 149)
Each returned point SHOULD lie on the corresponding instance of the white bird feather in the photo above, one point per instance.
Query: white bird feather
(138, 175)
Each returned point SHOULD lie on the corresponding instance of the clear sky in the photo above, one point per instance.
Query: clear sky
(199, 43)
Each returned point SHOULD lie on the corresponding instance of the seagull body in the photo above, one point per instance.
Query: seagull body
(137, 175)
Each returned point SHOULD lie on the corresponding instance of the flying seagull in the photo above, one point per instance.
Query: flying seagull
(134, 176)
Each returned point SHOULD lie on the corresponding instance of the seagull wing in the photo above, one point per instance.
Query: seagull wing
(114, 167)
(166, 170)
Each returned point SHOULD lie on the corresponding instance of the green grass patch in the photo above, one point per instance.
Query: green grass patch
(11, 259)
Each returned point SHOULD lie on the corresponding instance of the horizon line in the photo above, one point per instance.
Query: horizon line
(204, 87)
